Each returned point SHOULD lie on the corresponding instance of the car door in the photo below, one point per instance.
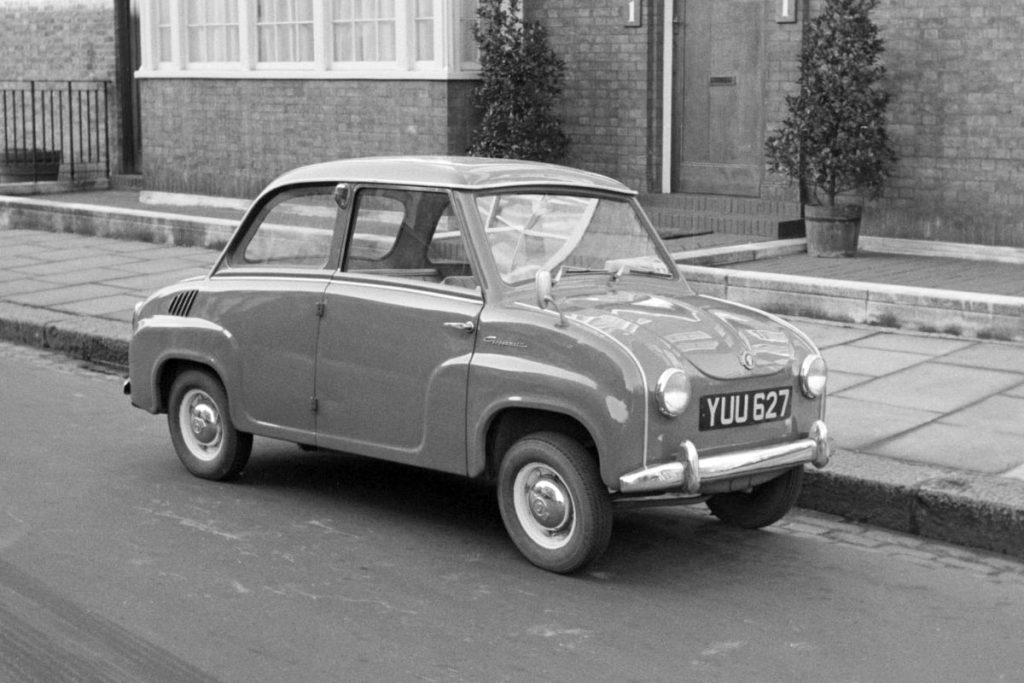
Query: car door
(270, 291)
(398, 333)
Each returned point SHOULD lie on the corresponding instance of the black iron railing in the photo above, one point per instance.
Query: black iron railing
(53, 130)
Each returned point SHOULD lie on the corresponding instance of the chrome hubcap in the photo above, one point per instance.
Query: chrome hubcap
(203, 422)
(548, 503)
(201, 426)
(544, 506)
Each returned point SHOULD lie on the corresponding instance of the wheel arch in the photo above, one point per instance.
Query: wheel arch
(511, 424)
(171, 368)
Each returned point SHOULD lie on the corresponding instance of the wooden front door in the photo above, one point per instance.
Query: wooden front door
(718, 96)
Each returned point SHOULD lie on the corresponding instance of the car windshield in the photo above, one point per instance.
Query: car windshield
(528, 232)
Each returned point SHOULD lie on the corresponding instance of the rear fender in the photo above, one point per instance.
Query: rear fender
(163, 342)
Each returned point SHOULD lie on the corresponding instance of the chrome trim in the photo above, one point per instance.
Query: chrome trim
(691, 472)
(805, 370)
(659, 391)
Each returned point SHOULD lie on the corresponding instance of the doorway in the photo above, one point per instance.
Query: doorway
(718, 96)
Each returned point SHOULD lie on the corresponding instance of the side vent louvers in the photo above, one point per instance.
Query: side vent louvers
(182, 302)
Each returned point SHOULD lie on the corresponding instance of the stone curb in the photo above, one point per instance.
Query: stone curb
(964, 508)
(96, 340)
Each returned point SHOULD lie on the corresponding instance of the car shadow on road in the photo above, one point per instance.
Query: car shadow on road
(650, 546)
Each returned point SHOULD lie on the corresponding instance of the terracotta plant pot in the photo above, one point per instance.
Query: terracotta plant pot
(832, 231)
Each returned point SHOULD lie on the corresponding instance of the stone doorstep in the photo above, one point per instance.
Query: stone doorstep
(971, 252)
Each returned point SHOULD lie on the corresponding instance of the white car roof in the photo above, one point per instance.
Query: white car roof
(468, 173)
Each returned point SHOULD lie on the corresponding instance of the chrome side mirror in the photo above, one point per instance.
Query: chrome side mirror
(341, 195)
(542, 280)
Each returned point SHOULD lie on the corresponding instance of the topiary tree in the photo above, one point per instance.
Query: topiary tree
(521, 80)
(834, 137)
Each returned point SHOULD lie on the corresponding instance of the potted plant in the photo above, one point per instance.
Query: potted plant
(27, 165)
(520, 82)
(833, 139)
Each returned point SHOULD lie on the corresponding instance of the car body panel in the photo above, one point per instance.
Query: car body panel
(393, 366)
(524, 361)
(405, 366)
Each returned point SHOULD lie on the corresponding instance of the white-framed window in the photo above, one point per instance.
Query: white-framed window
(308, 38)
(364, 31)
(164, 36)
(211, 31)
(423, 27)
(284, 31)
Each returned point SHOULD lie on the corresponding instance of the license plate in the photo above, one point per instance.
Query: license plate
(719, 411)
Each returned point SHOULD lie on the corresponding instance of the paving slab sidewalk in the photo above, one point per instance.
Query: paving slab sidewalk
(929, 427)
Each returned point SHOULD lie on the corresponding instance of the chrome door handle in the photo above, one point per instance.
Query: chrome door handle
(468, 326)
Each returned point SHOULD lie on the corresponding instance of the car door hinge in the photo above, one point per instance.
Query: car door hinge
(320, 307)
(314, 404)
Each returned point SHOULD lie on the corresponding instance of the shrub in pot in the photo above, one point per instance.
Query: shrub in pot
(834, 139)
(520, 82)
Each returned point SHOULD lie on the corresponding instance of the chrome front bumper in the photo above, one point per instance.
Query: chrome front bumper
(691, 472)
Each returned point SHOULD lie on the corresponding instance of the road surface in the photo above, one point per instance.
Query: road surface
(116, 565)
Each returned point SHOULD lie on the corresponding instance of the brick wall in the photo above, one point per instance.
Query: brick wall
(957, 119)
(605, 107)
(230, 137)
(782, 69)
(60, 40)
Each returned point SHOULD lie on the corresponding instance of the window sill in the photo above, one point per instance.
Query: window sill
(309, 74)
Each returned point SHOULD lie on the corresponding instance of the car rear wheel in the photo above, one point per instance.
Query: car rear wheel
(762, 505)
(206, 442)
(553, 503)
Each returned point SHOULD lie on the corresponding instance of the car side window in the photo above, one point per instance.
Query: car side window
(295, 230)
(409, 234)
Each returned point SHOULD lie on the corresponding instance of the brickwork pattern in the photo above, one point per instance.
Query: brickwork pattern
(957, 118)
(56, 39)
(60, 40)
(782, 69)
(231, 137)
(605, 101)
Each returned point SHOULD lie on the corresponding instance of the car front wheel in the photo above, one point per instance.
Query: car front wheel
(206, 442)
(553, 503)
(762, 505)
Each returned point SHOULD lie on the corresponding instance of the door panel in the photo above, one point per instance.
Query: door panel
(719, 95)
(392, 373)
(272, 320)
(273, 283)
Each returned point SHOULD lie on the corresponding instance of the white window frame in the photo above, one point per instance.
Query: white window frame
(447, 62)
(183, 41)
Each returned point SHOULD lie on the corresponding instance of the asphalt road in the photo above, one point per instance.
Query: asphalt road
(116, 565)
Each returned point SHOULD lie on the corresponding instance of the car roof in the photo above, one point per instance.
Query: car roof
(468, 173)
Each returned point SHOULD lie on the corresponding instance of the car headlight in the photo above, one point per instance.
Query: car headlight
(673, 392)
(813, 376)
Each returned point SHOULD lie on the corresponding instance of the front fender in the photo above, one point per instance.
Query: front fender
(602, 391)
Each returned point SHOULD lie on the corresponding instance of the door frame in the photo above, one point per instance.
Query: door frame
(670, 164)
